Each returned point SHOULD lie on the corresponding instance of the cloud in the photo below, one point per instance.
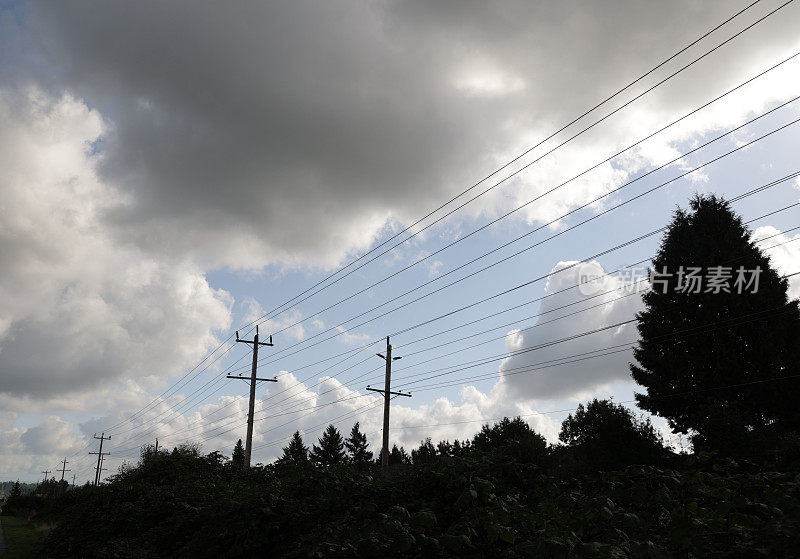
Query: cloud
(79, 307)
(144, 145)
(785, 258)
(613, 301)
(288, 319)
(51, 436)
(287, 406)
(298, 133)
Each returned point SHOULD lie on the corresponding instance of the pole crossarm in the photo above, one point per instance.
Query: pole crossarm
(250, 378)
(390, 392)
(255, 341)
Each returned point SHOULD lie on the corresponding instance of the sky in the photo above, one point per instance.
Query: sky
(171, 173)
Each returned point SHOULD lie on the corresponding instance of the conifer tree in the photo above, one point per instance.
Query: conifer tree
(731, 379)
(425, 454)
(330, 451)
(16, 491)
(237, 458)
(296, 452)
(398, 456)
(356, 445)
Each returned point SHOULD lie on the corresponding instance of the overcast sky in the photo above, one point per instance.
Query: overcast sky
(170, 172)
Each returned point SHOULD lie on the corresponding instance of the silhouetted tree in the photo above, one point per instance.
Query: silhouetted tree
(709, 360)
(610, 436)
(444, 448)
(398, 456)
(330, 451)
(425, 454)
(356, 445)
(296, 452)
(15, 491)
(459, 448)
(513, 438)
(237, 458)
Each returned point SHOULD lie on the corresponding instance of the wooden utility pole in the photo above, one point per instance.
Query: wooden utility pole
(64, 468)
(73, 481)
(46, 473)
(100, 455)
(387, 395)
(253, 380)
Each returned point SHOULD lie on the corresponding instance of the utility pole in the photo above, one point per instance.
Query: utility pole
(100, 455)
(73, 481)
(387, 394)
(156, 451)
(64, 468)
(46, 473)
(253, 380)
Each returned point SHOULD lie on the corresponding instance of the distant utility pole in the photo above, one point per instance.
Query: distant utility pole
(156, 446)
(387, 394)
(100, 455)
(253, 380)
(46, 473)
(64, 468)
(73, 481)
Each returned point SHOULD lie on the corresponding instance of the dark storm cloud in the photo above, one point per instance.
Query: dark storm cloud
(302, 126)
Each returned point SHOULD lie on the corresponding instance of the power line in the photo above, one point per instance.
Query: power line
(462, 238)
(742, 196)
(562, 232)
(174, 387)
(705, 328)
(520, 156)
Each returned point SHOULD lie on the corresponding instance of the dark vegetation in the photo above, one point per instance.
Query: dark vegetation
(505, 493)
(610, 489)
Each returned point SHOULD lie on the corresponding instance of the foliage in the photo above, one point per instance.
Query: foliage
(425, 454)
(330, 451)
(15, 491)
(187, 505)
(296, 452)
(511, 438)
(357, 445)
(237, 458)
(724, 341)
(607, 436)
(398, 456)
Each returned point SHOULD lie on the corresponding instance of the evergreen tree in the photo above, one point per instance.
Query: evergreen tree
(237, 458)
(15, 491)
(330, 451)
(296, 452)
(356, 445)
(461, 449)
(398, 456)
(425, 454)
(609, 436)
(444, 448)
(718, 381)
